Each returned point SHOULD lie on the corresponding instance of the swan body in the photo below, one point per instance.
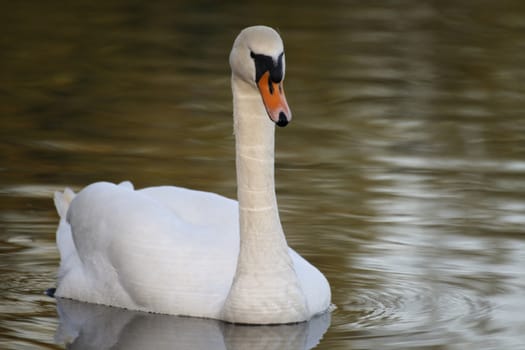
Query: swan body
(178, 251)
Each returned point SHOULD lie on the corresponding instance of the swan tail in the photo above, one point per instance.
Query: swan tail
(70, 265)
(63, 200)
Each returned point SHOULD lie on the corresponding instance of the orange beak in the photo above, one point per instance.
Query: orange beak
(274, 100)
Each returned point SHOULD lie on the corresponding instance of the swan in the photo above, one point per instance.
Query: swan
(178, 251)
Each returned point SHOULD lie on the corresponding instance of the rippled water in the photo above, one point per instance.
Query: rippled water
(402, 176)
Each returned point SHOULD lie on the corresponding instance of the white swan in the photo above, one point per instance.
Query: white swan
(178, 251)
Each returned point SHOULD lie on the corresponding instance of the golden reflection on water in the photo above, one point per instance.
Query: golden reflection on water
(401, 176)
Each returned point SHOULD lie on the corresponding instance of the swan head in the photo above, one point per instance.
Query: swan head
(257, 58)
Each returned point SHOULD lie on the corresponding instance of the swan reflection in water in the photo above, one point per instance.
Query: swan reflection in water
(91, 326)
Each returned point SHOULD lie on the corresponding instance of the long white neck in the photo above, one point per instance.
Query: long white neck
(260, 226)
(265, 287)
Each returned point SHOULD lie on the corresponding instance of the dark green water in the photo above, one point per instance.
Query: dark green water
(402, 175)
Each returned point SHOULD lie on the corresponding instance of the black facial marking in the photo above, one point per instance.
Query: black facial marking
(265, 64)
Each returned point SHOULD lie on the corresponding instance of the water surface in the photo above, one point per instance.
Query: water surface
(402, 175)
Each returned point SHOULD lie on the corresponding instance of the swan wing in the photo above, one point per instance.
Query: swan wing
(160, 249)
(313, 283)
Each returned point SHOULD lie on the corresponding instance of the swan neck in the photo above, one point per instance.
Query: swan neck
(265, 288)
(255, 139)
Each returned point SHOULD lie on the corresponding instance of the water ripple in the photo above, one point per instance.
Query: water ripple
(413, 308)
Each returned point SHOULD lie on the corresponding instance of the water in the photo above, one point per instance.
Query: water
(402, 175)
